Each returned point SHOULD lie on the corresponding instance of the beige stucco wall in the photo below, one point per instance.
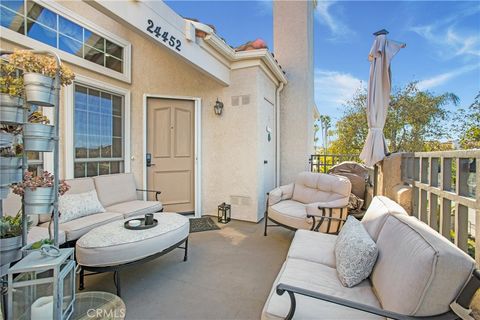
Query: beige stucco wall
(293, 47)
(229, 149)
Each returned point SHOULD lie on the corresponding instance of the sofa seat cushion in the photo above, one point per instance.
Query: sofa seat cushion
(115, 188)
(76, 228)
(39, 233)
(319, 278)
(313, 246)
(290, 213)
(377, 213)
(418, 271)
(136, 207)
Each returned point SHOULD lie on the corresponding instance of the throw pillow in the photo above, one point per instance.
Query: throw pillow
(74, 206)
(355, 252)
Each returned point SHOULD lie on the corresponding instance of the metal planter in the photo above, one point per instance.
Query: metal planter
(38, 137)
(11, 109)
(10, 249)
(6, 139)
(39, 89)
(10, 170)
(39, 201)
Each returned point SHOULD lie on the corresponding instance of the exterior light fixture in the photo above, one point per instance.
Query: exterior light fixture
(218, 107)
(224, 213)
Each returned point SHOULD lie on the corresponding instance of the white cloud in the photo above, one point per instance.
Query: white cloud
(324, 15)
(333, 88)
(264, 7)
(443, 78)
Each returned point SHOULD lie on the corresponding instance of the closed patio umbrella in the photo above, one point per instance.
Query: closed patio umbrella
(378, 98)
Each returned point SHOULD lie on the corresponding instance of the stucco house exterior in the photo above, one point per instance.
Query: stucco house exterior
(147, 81)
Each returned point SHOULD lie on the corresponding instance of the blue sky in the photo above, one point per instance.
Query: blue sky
(442, 37)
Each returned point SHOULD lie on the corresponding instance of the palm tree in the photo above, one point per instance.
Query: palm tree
(325, 123)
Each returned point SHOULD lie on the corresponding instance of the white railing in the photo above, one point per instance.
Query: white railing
(445, 193)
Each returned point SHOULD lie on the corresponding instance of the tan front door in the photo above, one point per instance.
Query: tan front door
(171, 145)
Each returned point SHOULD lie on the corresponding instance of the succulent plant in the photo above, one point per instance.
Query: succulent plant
(10, 81)
(11, 226)
(45, 180)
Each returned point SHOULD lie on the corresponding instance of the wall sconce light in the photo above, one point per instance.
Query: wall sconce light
(218, 107)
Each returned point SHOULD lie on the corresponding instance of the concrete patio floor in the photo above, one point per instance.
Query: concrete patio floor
(228, 275)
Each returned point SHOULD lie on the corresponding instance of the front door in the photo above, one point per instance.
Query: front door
(171, 148)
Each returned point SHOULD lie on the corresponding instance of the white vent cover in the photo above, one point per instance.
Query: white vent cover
(245, 99)
(235, 101)
(240, 100)
(240, 200)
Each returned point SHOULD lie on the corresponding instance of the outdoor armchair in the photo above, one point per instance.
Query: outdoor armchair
(316, 201)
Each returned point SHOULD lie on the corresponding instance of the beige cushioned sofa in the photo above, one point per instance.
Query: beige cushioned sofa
(296, 205)
(418, 272)
(117, 193)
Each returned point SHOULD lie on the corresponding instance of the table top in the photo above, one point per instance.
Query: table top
(97, 305)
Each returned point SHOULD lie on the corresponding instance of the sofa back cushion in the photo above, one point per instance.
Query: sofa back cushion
(418, 272)
(378, 211)
(319, 187)
(115, 188)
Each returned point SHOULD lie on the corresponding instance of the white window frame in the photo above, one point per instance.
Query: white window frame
(31, 43)
(69, 133)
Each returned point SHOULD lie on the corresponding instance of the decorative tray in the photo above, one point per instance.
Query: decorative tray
(142, 225)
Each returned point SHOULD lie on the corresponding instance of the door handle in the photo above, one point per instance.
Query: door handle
(148, 157)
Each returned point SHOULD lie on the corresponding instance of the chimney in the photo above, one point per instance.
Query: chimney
(293, 48)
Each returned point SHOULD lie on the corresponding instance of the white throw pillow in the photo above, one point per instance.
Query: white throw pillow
(74, 206)
(355, 253)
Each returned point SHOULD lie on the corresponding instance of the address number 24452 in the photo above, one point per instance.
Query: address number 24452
(157, 31)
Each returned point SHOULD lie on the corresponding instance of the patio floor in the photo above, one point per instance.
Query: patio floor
(228, 275)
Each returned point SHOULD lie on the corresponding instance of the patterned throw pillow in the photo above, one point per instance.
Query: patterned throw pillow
(355, 252)
(74, 206)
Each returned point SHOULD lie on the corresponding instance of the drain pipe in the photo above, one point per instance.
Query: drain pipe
(277, 133)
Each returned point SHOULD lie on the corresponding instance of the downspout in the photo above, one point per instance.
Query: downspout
(277, 133)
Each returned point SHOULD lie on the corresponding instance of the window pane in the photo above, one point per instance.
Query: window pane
(42, 15)
(117, 105)
(106, 104)
(33, 155)
(93, 100)
(117, 127)
(80, 97)
(12, 21)
(104, 168)
(106, 125)
(81, 122)
(79, 170)
(80, 146)
(117, 148)
(69, 45)
(114, 64)
(115, 167)
(70, 29)
(42, 34)
(93, 55)
(94, 40)
(94, 143)
(106, 151)
(114, 49)
(15, 5)
(92, 169)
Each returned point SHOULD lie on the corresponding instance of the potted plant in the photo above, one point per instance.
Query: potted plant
(11, 91)
(38, 134)
(37, 192)
(38, 76)
(29, 248)
(11, 238)
(10, 168)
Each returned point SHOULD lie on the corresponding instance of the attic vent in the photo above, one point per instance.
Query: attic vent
(235, 101)
(240, 200)
(245, 99)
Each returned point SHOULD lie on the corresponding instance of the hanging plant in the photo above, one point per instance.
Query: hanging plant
(11, 92)
(38, 135)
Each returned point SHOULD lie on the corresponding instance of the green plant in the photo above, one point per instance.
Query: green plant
(11, 226)
(38, 244)
(10, 82)
(30, 62)
(38, 117)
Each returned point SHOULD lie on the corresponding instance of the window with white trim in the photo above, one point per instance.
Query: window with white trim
(37, 22)
(98, 132)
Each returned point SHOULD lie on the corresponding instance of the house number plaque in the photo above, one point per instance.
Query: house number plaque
(164, 36)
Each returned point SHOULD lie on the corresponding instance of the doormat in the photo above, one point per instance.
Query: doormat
(202, 224)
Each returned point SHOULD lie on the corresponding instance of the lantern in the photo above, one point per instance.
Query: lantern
(218, 107)
(224, 213)
(42, 286)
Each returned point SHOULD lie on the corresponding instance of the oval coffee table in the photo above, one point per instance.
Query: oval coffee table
(112, 247)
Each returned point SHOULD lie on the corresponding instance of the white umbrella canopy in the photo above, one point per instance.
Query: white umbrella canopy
(378, 98)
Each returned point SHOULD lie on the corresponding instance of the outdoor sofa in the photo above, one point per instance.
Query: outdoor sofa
(117, 193)
(304, 203)
(418, 273)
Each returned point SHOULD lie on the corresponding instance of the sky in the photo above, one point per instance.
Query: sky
(442, 38)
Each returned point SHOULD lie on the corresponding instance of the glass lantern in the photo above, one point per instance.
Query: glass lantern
(224, 213)
(42, 287)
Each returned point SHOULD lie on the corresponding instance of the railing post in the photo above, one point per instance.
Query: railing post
(446, 205)
(423, 214)
(433, 174)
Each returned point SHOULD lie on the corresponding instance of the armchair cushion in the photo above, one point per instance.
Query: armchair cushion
(290, 213)
(279, 194)
(318, 187)
(418, 272)
(355, 253)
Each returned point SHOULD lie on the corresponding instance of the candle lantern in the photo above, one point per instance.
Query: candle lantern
(42, 285)
(224, 213)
